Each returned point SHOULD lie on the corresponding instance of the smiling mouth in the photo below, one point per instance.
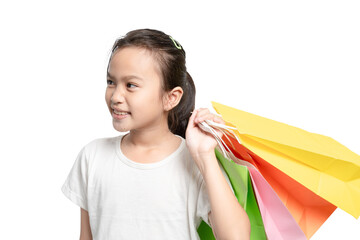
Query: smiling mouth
(120, 113)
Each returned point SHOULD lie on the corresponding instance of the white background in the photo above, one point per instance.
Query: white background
(296, 62)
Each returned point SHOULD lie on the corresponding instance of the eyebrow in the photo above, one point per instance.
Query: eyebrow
(125, 77)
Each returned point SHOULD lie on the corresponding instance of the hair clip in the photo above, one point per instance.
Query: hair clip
(174, 41)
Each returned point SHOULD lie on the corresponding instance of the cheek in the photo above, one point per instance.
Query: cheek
(147, 96)
(149, 103)
(108, 95)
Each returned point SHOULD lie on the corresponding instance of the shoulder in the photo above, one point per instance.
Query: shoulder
(95, 151)
(100, 143)
(98, 147)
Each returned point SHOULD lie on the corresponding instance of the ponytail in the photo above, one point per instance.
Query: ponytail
(178, 118)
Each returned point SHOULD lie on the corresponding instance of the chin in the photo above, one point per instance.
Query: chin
(119, 128)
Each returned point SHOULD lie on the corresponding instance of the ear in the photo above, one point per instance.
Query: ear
(172, 98)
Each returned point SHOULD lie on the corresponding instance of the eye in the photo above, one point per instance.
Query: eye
(128, 84)
(108, 82)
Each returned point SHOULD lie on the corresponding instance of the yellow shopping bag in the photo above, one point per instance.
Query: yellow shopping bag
(318, 162)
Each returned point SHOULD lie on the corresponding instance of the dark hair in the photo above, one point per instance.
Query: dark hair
(170, 56)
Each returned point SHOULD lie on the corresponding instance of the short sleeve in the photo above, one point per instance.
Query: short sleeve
(203, 204)
(75, 185)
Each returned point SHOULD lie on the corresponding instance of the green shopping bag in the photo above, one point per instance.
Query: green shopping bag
(241, 183)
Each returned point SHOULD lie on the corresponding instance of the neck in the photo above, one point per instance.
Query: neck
(149, 138)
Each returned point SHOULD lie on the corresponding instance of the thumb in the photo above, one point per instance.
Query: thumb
(191, 123)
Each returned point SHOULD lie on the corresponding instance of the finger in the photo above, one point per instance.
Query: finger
(202, 111)
(200, 118)
(204, 116)
(213, 118)
(218, 119)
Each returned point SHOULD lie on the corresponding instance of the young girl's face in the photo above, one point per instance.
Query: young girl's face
(133, 86)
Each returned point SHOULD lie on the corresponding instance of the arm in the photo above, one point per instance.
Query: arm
(85, 232)
(227, 218)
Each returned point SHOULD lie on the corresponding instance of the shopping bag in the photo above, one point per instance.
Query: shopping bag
(240, 181)
(309, 210)
(318, 162)
(278, 221)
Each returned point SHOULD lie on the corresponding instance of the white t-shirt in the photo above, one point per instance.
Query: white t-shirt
(130, 200)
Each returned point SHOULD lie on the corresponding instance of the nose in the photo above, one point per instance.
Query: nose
(118, 95)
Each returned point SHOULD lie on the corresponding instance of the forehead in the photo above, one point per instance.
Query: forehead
(135, 61)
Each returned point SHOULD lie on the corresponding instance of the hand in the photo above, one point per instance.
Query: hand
(199, 142)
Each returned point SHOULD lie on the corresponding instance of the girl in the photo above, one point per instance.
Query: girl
(151, 183)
